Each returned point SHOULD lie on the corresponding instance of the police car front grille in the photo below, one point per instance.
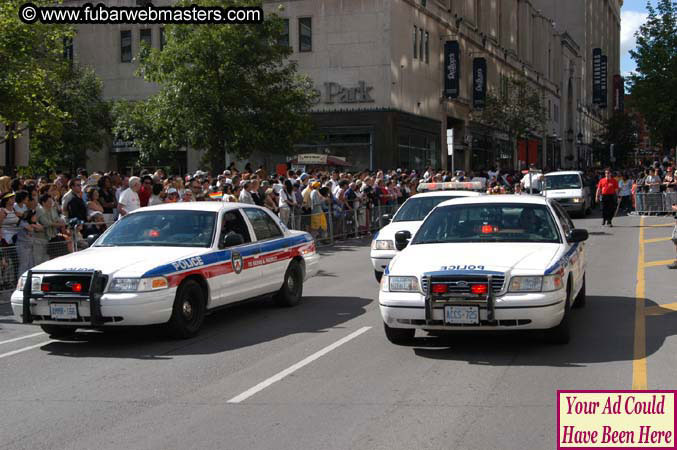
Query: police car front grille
(58, 283)
(452, 282)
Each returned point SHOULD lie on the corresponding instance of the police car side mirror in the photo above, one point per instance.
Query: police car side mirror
(386, 219)
(402, 239)
(577, 235)
(91, 239)
(232, 239)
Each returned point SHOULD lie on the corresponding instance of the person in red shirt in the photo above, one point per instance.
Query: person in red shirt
(607, 189)
(146, 190)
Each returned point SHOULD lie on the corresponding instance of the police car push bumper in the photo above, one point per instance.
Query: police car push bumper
(537, 311)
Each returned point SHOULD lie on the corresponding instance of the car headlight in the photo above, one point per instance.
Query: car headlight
(36, 281)
(382, 245)
(138, 284)
(578, 200)
(546, 283)
(403, 284)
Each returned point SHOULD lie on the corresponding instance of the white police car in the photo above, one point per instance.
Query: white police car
(170, 264)
(410, 216)
(504, 262)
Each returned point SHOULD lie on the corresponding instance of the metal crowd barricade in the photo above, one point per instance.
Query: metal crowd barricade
(341, 224)
(17, 258)
(655, 203)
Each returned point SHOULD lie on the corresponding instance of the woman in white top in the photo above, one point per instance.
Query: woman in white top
(625, 194)
(286, 202)
(10, 225)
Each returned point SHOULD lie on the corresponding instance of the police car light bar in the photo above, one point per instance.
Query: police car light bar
(451, 186)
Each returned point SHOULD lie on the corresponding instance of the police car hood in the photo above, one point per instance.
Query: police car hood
(418, 259)
(121, 261)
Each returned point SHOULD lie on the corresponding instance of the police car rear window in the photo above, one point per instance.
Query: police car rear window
(416, 208)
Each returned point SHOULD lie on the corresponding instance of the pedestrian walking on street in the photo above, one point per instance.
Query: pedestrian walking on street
(607, 189)
(674, 237)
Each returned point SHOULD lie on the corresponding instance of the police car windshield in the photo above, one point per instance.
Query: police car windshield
(416, 208)
(562, 182)
(162, 229)
(493, 222)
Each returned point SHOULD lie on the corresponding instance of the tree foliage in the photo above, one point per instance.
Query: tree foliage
(517, 110)
(31, 57)
(654, 84)
(222, 87)
(87, 124)
(622, 131)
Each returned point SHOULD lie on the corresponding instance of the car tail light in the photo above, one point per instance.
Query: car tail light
(440, 288)
(44, 287)
(479, 289)
(76, 287)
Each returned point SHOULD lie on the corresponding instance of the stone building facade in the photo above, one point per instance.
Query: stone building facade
(378, 68)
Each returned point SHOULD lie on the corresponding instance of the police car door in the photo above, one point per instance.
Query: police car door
(275, 255)
(239, 276)
(576, 261)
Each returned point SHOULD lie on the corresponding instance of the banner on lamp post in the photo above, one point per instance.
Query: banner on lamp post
(619, 93)
(597, 76)
(452, 69)
(604, 81)
(479, 83)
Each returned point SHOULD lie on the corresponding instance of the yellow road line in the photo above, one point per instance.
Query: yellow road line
(665, 262)
(639, 351)
(659, 310)
(659, 225)
(652, 241)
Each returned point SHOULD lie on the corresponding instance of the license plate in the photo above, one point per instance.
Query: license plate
(63, 310)
(456, 315)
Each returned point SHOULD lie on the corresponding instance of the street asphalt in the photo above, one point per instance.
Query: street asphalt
(323, 376)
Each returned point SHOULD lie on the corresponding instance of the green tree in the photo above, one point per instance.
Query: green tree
(87, 125)
(621, 130)
(654, 83)
(152, 127)
(517, 110)
(228, 87)
(31, 57)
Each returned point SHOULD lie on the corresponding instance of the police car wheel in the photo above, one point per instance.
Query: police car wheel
(188, 312)
(580, 298)
(291, 291)
(58, 331)
(399, 336)
(378, 275)
(561, 334)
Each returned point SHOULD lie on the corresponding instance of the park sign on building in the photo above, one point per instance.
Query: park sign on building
(479, 83)
(332, 92)
(452, 69)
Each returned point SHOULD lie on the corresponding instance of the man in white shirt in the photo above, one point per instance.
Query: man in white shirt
(129, 199)
(245, 195)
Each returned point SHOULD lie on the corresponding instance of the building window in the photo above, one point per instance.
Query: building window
(415, 41)
(126, 46)
(420, 43)
(68, 48)
(427, 47)
(146, 35)
(284, 37)
(163, 38)
(305, 34)
(556, 112)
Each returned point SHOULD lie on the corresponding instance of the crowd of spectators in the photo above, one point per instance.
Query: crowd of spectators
(43, 217)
